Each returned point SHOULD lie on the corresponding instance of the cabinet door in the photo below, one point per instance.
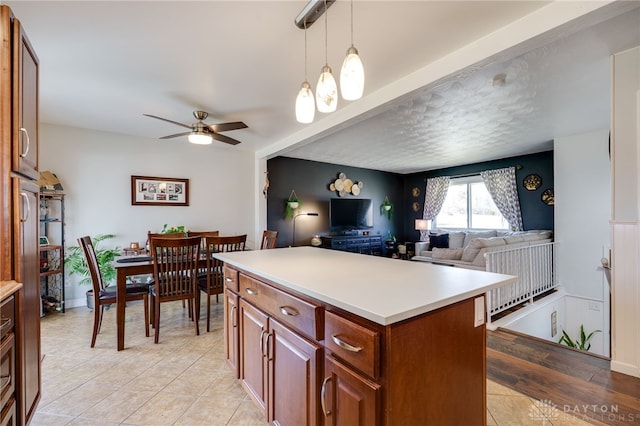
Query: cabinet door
(293, 370)
(27, 271)
(253, 372)
(231, 330)
(348, 398)
(25, 105)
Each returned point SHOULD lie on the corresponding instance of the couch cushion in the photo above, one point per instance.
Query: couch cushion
(513, 239)
(439, 241)
(447, 253)
(456, 239)
(472, 235)
(473, 248)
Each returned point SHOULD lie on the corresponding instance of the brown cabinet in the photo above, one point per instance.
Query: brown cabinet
(231, 347)
(305, 362)
(19, 251)
(8, 360)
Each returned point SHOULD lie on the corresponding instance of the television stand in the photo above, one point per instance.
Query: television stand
(364, 244)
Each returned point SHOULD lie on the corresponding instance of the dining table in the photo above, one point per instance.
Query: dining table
(127, 266)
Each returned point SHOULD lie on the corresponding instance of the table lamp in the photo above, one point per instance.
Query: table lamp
(422, 225)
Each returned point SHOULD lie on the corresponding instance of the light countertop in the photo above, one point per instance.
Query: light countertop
(380, 289)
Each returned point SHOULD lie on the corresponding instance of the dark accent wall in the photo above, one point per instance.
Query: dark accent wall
(535, 213)
(310, 180)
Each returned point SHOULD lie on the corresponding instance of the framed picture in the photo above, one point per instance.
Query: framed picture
(159, 191)
(44, 241)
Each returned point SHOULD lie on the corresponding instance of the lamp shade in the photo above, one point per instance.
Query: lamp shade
(326, 91)
(305, 104)
(352, 76)
(200, 138)
(423, 225)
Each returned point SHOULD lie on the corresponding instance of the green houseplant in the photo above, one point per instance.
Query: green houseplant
(293, 203)
(76, 264)
(386, 208)
(582, 344)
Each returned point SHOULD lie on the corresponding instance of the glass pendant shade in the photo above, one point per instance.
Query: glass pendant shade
(326, 91)
(200, 138)
(305, 104)
(352, 76)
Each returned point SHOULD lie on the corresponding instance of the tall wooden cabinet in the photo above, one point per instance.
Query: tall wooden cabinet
(19, 251)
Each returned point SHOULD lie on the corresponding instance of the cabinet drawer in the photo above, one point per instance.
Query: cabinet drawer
(297, 313)
(7, 316)
(231, 279)
(7, 369)
(353, 343)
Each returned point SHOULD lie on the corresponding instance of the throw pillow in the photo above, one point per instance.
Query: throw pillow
(471, 250)
(439, 241)
(472, 235)
(447, 253)
(456, 239)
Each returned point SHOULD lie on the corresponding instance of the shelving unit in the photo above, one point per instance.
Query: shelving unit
(52, 254)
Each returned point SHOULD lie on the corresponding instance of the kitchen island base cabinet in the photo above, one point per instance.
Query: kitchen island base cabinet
(231, 345)
(308, 358)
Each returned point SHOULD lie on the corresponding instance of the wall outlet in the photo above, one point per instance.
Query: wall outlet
(594, 306)
(479, 311)
(554, 323)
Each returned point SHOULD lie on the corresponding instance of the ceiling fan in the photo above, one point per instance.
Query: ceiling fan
(203, 134)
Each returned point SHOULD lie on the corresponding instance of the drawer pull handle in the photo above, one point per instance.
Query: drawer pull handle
(229, 280)
(289, 311)
(250, 291)
(323, 397)
(26, 150)
(6, 381)
(27, 204)
(6, 323)
(344, 345)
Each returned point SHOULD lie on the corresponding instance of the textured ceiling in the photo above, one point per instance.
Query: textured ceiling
(104, 64)
(559, 89)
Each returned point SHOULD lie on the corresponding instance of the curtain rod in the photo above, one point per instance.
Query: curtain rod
(464, 175)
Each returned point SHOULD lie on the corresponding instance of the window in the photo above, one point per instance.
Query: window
(469, 205)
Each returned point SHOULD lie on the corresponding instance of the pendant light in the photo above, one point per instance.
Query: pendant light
(326, 89)
(352, 73)
(305, 104)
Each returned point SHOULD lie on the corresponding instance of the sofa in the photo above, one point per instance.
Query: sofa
(466, 248)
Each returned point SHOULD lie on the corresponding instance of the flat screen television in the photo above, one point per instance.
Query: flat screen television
(346, 214)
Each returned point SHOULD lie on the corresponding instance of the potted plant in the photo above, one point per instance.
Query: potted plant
(582, 344)
(173, 229)
(390, 243)
(293, 203)
(386, 208)
(76, 264)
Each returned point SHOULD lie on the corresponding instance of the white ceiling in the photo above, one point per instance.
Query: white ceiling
(104, 64)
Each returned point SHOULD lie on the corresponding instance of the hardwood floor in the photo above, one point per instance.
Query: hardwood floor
(569, 380)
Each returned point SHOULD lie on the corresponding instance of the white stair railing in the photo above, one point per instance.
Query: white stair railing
(535, 267)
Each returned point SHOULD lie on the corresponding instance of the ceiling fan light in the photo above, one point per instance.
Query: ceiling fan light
(326, 91)
(305, 104)
(352, 76)
(200, 138)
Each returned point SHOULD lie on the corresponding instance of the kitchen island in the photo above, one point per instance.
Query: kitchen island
(319, 336)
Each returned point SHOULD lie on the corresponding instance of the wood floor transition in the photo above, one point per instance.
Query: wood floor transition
(572, 381)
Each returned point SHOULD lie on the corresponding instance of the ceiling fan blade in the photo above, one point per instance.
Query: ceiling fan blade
(167, 120)
(225, 139)
(176, 135)
(224, 127)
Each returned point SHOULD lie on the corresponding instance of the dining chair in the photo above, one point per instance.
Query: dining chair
(211, 281)
(104, 295)
(175, 274)
(269, 239)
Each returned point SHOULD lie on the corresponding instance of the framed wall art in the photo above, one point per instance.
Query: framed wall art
(159, 191)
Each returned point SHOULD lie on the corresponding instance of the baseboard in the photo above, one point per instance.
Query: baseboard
(624, 368)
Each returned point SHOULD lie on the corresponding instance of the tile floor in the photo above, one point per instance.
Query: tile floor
(183, 380)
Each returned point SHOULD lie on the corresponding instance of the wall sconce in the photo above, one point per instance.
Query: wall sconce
(422, 225)
(293, 238)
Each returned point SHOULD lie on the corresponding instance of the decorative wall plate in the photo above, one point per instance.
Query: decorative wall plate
(355, 190)
(344, 186)
(532, 182)
(547, 197)
(415, 191)
(415, 206)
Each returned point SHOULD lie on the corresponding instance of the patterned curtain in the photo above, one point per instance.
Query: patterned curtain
(434, 197)
(501, 184)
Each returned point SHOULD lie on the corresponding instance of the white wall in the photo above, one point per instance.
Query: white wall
(582, 187)
(95, 169)
(625, 353)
